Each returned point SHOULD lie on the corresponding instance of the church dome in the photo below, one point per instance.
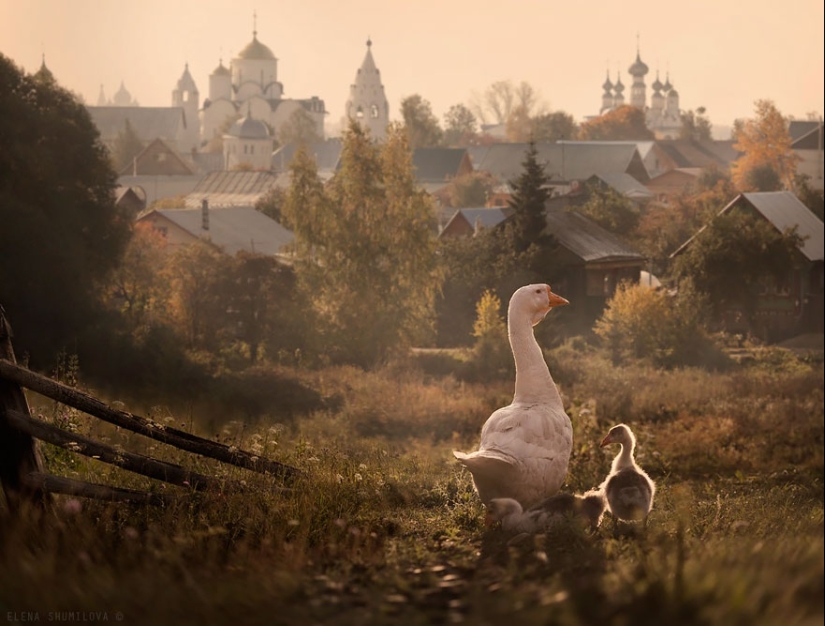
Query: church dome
(607, 84)
(122, 97)
(255, 50)
(248, 128)
(672, 94)
(638, 68)
(221, 70)
(44, 73)
(619, 87)
(657, 84)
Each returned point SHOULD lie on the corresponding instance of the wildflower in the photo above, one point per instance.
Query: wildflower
(358, 477)
(72, 507)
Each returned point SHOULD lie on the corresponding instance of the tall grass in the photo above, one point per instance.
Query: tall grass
(384, 527)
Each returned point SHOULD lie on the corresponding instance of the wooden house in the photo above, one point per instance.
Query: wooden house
(795, 305)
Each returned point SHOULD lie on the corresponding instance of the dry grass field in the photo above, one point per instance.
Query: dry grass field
(384, 527)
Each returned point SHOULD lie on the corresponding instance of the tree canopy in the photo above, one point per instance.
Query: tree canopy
(733, 254)
(300, 127)
(421, 124)
(624, 123)
(460, 126)
(365, 251)
(766, 144)
(60, 232)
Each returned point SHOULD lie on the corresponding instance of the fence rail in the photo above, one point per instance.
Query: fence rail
(21, 467)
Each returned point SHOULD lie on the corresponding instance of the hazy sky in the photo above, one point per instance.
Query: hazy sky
(721, 54)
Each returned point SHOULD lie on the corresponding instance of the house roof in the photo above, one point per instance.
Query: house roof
(147, 122)
(625, 184)
(233, 188)
(784, 210)
(805, 135)
(437, 164)
(233, 228)
(586, 239)
(562, 161)
(326, 153)
(486, 217)
(701, 154)
(178, 164)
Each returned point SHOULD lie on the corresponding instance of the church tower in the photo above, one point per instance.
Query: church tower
(638, 97)
(185, 95)
(367, 102)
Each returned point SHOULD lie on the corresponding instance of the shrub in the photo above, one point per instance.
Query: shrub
(643, 323)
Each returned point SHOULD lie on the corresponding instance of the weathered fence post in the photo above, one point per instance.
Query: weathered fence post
(19, 452)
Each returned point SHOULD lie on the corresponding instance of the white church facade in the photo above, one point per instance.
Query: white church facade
(662, 114)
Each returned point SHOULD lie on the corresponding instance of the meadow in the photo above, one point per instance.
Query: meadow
(384, 527)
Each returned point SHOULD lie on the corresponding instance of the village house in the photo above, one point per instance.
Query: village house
(795, 305)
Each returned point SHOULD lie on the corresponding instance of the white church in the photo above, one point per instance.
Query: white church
(662, 115)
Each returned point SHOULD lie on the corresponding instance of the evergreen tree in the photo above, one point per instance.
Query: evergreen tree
(126, 147)
(526, 245)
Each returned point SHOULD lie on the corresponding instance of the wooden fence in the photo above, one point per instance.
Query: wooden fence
(21, 467)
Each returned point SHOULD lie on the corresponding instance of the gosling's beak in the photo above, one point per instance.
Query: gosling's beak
(488, 520)
(555, 299)
(606, 441)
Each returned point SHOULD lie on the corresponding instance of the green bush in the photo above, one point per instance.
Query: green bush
(652, 324)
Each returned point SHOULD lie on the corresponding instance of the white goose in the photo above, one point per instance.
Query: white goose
(525, 446)
(628, 488)
(587, 508)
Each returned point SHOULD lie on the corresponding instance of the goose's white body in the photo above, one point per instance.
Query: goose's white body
(628, 489)
(525, 446)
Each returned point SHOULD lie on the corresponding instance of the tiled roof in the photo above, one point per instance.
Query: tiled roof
(625, 184)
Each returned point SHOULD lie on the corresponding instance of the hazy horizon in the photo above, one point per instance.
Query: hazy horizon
(720, 55)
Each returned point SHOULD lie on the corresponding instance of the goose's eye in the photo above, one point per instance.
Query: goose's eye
(538, 290)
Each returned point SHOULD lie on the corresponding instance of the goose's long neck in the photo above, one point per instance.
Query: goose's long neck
(624, 459)
(533, 380)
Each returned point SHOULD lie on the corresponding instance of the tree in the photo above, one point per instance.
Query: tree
(137, 285)
(470, 190)
(764, 141)
(526, 245)
(271, 203)
(762, 178)
(812, 198)
(422, 126)
(60, 231)
(610, 210)
(730, 257)
(695, 125)
(621, 124)
(126, 147)
(552, 127)
(503, 97)
(460, 126)
(300, 127)
(366, 259)
(199, 277)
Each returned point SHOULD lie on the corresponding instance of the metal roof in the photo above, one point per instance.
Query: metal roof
(486, 217)
(625, 184)
(231, 188)
(586, 239)
(784, 210)
(234, 229)
(562, 161)
(437, 164)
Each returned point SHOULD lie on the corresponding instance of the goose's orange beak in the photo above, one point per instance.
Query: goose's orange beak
(555, 299)
(606, 441)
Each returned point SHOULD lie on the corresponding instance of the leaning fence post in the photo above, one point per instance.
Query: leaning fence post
(19, 452)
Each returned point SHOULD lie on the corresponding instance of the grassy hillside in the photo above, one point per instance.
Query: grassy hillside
(384, 527)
